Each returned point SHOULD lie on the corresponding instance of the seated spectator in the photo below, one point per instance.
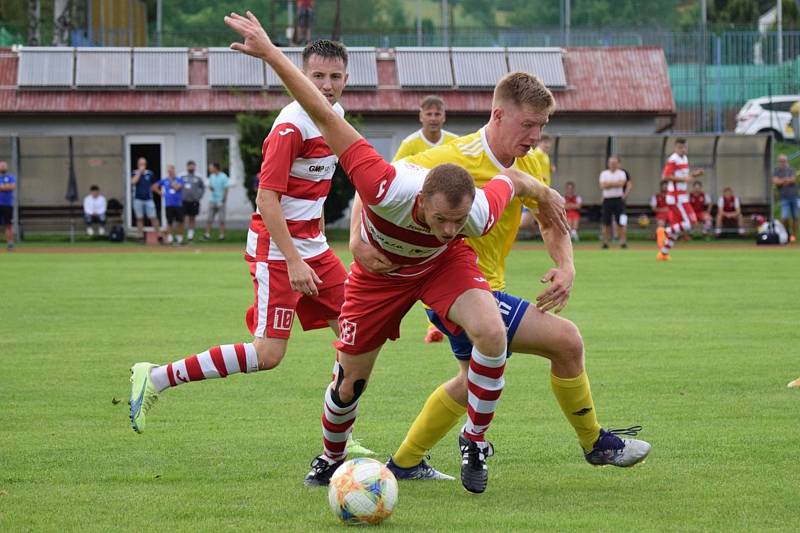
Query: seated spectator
(729, 213)
(172, 192)
(94, 211)
(573, 204)
(701, 204)
(658, 203)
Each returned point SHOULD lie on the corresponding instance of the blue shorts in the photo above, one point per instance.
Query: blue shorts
(512, 309)
(789, 208)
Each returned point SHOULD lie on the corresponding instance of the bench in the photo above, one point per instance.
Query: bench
(58, 219)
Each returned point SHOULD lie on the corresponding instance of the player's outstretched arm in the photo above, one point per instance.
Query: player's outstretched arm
(337, 132)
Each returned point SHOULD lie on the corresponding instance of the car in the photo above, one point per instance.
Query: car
(768, 114)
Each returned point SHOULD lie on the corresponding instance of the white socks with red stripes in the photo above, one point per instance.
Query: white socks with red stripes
(337, 424)
(217, 362)
(485, 384)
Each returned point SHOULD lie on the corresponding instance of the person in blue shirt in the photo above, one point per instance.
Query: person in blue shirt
(172, 193)
(218, 183)
(8, 184)
(144, 183)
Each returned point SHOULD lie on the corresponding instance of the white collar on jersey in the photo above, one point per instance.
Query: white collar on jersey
(425, 139)
(488, 150)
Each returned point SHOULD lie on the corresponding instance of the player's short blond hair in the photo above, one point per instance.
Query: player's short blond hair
(432, 100)
(452, 181)
(521, 88)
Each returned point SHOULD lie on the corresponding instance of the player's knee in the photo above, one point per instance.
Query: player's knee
(347, 389)
(269, 356)
(572, 343)
(489, 336)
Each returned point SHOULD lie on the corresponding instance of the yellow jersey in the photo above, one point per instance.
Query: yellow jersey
(416, 143)
(473, 154)
(544, 163)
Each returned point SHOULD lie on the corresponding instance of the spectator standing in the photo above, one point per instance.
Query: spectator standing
(193, 190)
(729, 212)
(572, 204)
(305, 19)
(144, 183)
(658, 203)
(94, 211)
(785, 179)
(218, 182)
(8, 184)
(701, 204)
(172, 192)
(612, 183)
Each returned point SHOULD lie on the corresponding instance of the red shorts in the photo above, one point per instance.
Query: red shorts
(374, 304)
(573, 215)
(682, 213)
(275, 304)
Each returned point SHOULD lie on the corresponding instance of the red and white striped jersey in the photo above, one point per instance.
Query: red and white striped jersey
(390, 220)
(728, 204)
(677, 191)
(298, 164)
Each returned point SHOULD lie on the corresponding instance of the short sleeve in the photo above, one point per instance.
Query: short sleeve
(280, 149)
(370, 174)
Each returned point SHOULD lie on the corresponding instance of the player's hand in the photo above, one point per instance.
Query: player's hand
(551, 211)
(256, 41)
(554, 298)
(370, 258)
(302, 278)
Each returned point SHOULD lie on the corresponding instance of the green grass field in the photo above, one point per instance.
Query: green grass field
(698, 351)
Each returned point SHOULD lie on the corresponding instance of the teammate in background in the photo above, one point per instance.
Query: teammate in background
(8, 184)
(612, 183)
(701, 205)
(415, 218)
(541, 154)
(432, 116)
(784, 178)
(521, 106)
(218, 184)
(681, 214)
(729, 213)
(573, 204)
(658, 203)
(172, 193)
(144, 183)
(193, 191)
(292, 268)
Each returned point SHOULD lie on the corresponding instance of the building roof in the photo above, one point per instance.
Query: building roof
(623, 80)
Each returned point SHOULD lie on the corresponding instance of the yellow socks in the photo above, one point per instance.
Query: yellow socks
(575, 398)
(437, 417)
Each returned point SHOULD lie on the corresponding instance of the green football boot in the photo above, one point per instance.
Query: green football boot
(143, 394)
(354, 447)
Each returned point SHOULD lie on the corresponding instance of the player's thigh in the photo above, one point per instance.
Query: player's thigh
(272, 314)
(546, 334)
(476, 311)
(270, 352)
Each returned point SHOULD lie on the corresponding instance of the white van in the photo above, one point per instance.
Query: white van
(767, 114)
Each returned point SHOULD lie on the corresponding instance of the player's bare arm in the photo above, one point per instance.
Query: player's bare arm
(550, 202)
(366, 255)
(561, 277)
(302, 277)
(338, 134)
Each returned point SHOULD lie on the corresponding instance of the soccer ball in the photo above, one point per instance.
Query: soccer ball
(362, 491)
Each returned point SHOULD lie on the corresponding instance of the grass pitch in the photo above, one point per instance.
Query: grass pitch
(698, 351)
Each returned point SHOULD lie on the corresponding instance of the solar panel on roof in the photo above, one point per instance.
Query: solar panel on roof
(362, 68)
(423, 67)
(227, 68)
(479, 67)
(545, 63)
(160, 67)
(103, 67)
(296, 55)
(45, 67)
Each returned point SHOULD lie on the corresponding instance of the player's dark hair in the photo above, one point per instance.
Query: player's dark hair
(432, 100)
(452, 181)
(698, 182)
(567, 184)
(190, 162)
(680, 140)
(325, 49)
(216, 165)
(94, 188)
(545, 137)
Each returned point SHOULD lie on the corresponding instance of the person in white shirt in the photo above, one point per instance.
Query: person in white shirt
(94, 211)
(612, 183)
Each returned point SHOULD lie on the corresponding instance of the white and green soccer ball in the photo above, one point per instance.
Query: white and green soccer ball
(362, 491)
